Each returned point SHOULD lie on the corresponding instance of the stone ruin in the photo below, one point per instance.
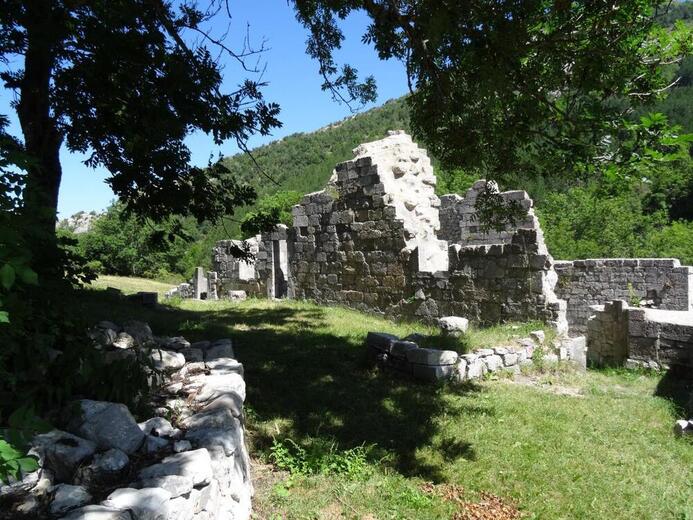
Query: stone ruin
(373, 240)
(379, 239)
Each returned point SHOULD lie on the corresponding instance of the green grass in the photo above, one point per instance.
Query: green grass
(605, 450)
(131, 285)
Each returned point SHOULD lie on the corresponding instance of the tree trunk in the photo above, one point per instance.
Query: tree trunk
(42, 139)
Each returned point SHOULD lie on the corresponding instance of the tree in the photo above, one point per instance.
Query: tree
(117, 79)
(498, 85)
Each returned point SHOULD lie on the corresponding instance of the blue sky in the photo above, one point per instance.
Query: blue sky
(293, 80)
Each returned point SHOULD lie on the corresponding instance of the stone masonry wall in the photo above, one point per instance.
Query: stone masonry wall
(459, 223)
(235, 274)
(379, 239)
(491, 283)
(583, 283)
(619, 334)
(354, 245)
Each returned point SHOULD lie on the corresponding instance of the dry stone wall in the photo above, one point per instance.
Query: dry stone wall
(105, 465)
(584, 283)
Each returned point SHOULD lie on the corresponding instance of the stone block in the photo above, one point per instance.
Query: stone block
(453, 325)
(432, 372)
(510, 359)
(380, 341)
(399, 349)
(493, 362)
(476, 369)
(108, 425)
(432, 357)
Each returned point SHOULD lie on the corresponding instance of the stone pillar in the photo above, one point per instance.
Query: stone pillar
(199, 284)
(212, 280)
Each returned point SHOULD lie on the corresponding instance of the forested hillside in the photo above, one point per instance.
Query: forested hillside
(651, 215)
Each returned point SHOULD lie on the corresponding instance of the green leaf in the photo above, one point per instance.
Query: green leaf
(4, 317)
(28, 464)
(7, 276)
(8, 452)
(28, 275)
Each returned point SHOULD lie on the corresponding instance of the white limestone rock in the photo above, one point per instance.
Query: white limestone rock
(166, 360)
(219, 350)
(124, 341)
(237, 295)
(510, 359)
(493, 362)
(108, 425)
(176, 343)
(193, 355)
(154, 444)
(140, 331)
(476, 369)
(538, 336)
(683, 428)
(103, 337)
(433, 357)
(61, 452)
(104, 467)
(181, 446)
(98, 512)
(195, 464)
(177, 485)
(157, 426)
(453, 325)
(145, 504)
(66, 497)
(216, 385)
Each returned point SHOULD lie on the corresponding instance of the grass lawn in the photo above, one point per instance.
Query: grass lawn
(334, 438)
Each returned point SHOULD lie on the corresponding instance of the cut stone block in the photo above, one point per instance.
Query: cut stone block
(538, 336)
(399, 349)
(433, 372)
(381, 341)
(493, 362)
(108, 425)
(432, 357)
(453, 325)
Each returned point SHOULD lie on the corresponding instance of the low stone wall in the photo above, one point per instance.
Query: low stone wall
(426, 364)
(639, 337)
(583, 283)
(107, 466)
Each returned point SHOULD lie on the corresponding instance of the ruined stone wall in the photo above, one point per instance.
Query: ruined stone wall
(491, 283)
(583, 283)
(379, 239)
(460, 224)
(619, 334)
(366, 243)
(235, 274)
(348, 244)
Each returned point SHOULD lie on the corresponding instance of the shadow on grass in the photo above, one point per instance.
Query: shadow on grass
(676, 385)
(315, 384)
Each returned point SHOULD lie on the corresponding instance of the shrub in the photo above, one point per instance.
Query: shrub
(319, 458)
